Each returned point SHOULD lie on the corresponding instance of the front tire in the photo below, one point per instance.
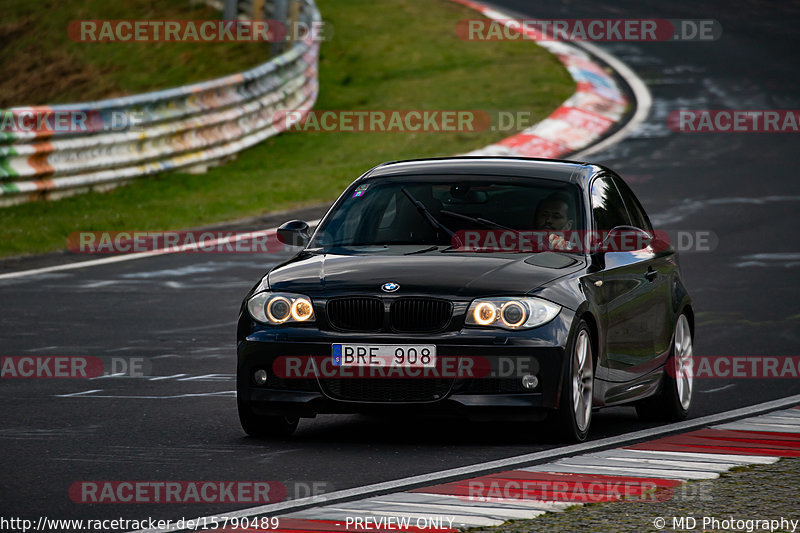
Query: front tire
(674, 400)
(574, 414)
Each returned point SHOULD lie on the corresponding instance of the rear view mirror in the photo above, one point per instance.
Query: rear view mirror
(294, 233)
(626, 239)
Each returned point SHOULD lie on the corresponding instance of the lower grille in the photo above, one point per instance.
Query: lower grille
(356, 314)
(386, 390)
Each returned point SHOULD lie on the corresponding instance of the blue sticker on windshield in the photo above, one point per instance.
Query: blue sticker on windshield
(360, 190)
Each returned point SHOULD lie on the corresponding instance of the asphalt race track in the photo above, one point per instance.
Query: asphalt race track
(177, 312)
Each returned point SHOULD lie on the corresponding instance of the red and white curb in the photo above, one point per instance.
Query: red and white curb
(659, 457)
(596, 106)
(665, 462)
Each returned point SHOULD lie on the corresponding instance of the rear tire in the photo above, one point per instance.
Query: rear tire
(263, 426)
(673, 401)
(574, 415)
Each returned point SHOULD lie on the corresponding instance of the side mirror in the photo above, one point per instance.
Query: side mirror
(625, 239)
(294, 233)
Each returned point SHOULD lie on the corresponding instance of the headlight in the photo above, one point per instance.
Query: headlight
(511, 313)
(279, 308)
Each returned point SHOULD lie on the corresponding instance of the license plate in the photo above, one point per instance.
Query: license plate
(384, 355)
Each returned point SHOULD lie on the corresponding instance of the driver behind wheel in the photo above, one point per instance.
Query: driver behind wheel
(552, 214)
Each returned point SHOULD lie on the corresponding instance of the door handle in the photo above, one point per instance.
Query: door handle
(651, 274)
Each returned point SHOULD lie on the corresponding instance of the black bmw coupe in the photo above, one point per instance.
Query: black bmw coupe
(483, 286)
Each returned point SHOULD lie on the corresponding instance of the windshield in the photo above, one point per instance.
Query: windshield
(439, 211)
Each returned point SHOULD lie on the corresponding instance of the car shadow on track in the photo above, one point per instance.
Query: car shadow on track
(426, 430)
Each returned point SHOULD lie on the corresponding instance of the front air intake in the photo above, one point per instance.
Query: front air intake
(356, 314)
(420, 315)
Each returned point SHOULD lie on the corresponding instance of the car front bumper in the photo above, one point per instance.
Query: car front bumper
(496, 392)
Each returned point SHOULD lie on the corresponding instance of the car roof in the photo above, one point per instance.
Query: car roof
(559, 170)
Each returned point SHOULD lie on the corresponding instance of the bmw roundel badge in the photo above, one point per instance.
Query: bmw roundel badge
(390, 287)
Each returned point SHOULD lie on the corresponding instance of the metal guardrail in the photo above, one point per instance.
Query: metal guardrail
(183, 127)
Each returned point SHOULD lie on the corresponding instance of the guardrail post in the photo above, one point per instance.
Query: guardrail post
(279, 13)
(258, 9)
(230, 9)
(292, 20)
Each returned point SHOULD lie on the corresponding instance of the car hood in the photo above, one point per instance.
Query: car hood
(441, 274)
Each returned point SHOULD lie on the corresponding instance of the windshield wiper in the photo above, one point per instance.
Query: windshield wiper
(428, 249)
(479, 220)
(429, 217)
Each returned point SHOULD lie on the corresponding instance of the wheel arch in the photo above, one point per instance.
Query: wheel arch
(591, 321)
(689, 310)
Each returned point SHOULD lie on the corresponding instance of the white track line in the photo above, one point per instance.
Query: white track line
(634, 471)
(644, 101)
(747, 426)
(411, 498)
(741, 459)
(500, 464)
(628, 462)
(778, 420)
(90, 394)
(142, 255)
(622, 454)
(492, 513)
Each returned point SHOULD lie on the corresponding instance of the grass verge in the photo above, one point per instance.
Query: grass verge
(42, 65)
(394, 54)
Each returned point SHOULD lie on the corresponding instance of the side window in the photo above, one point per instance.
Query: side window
(608, 209)
(635, 210)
